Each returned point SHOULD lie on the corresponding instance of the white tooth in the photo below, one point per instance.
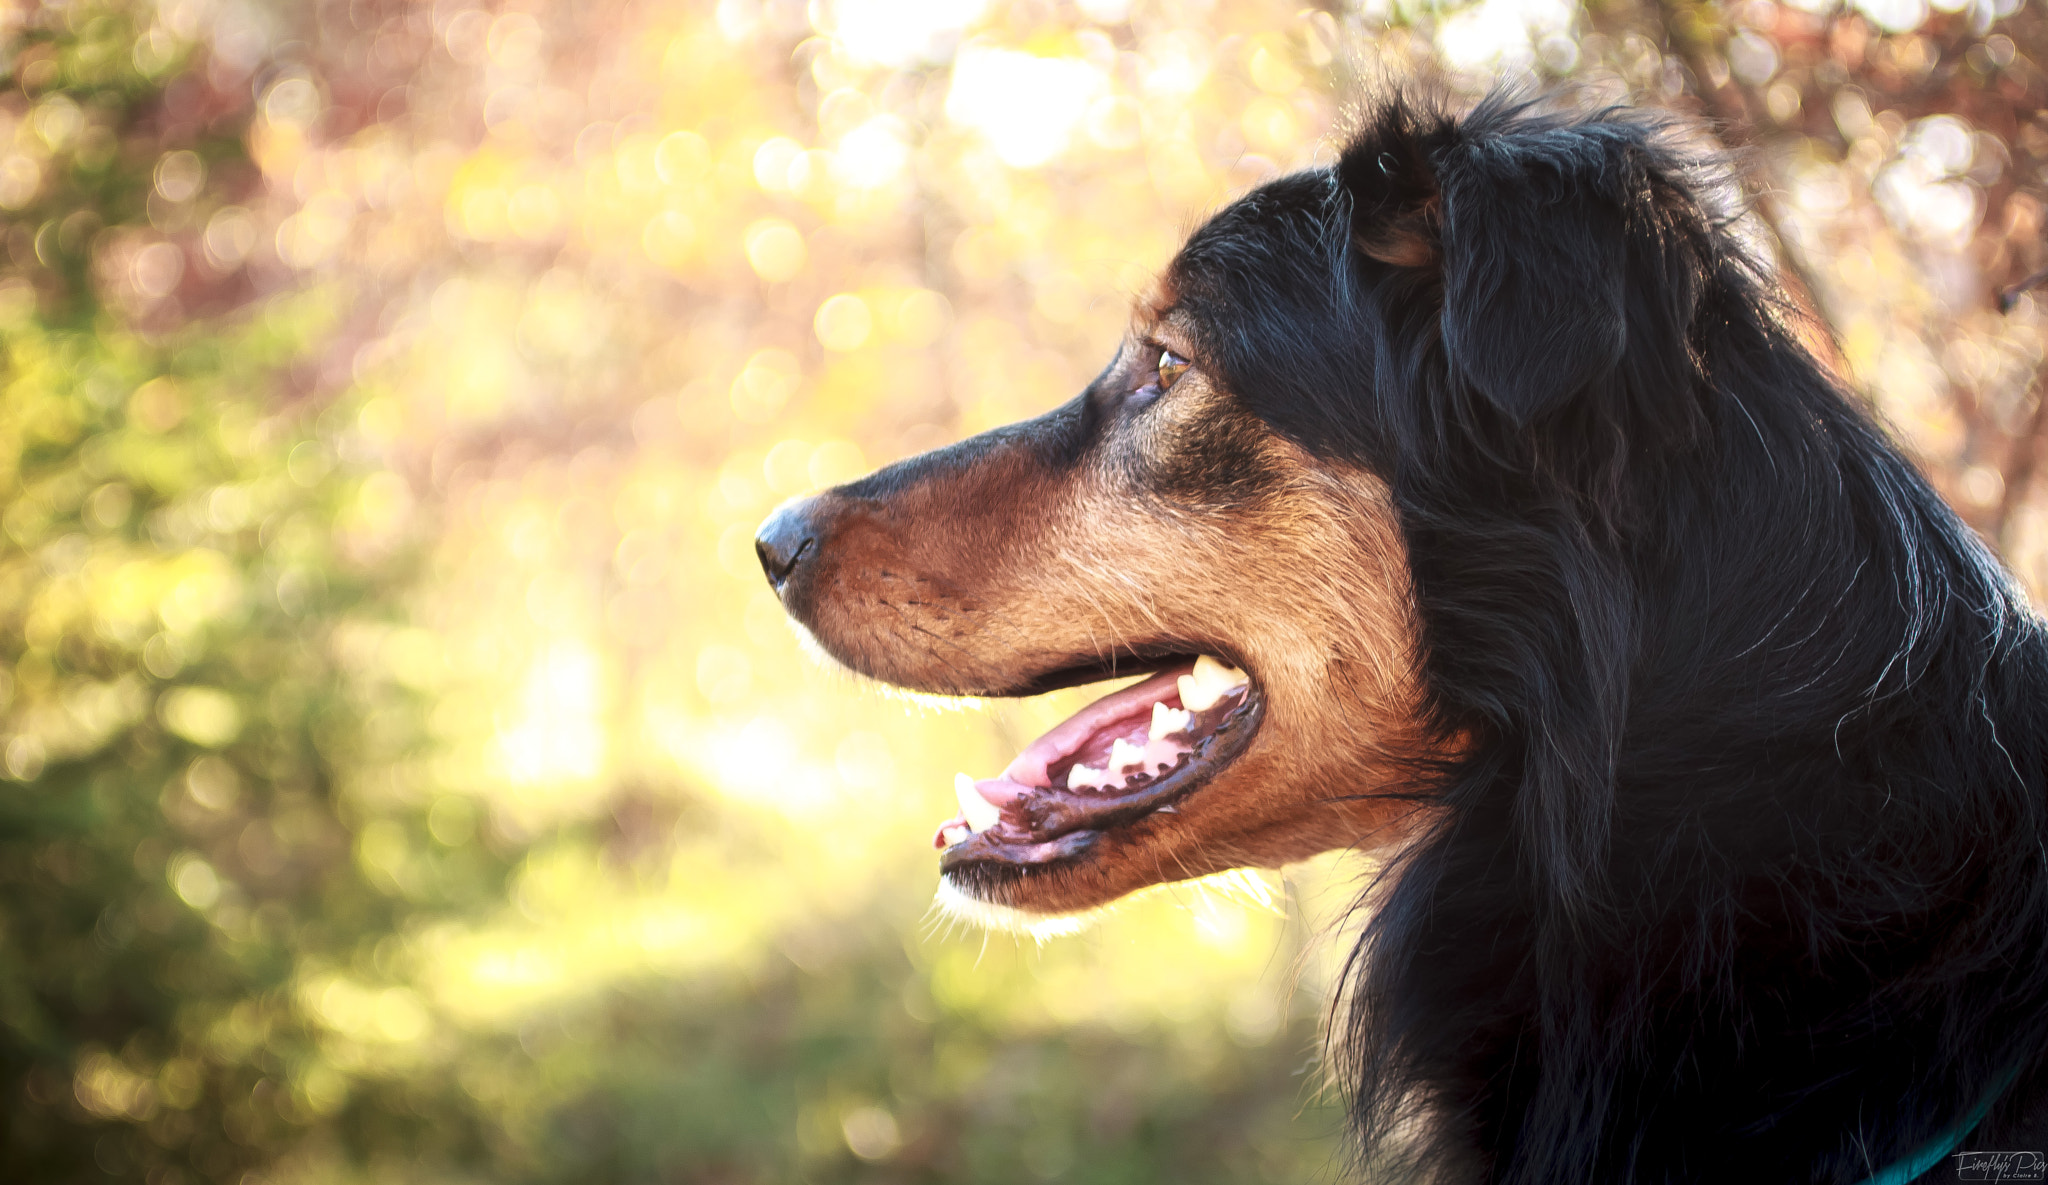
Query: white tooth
(1080, 775)
(980, 813)
(1123, 754)
(1209, 682)
(1211, 673)
(954, 835)
(1167, 721)
(1168, 810)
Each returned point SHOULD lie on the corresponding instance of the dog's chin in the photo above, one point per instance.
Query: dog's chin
(960, 903)
(1094, 810)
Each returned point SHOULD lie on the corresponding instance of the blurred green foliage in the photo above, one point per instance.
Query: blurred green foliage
(178, 561)
(211, 960)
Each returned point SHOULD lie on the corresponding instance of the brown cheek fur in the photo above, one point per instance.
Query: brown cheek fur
(958, 583)
(1310, 586)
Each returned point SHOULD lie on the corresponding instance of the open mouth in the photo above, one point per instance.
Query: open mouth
(1129, 756)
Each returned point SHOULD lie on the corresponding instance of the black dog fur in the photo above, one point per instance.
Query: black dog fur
(1742, 874)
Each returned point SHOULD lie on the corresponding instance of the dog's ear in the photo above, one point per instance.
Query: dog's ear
(1529, 243)
(1534, 266)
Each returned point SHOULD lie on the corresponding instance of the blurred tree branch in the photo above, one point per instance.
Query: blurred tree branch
(1833, 86)
(2024, 459)
(1690, 30)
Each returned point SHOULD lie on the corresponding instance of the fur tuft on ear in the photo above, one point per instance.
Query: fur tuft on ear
(1397, 210)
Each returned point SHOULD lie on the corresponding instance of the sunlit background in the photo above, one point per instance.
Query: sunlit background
(409, 776)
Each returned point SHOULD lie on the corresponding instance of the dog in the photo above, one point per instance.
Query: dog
(1474, 502)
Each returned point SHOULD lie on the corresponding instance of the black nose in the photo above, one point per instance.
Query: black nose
(783, 542)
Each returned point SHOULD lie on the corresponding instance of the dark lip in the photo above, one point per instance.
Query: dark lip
(1003, 854)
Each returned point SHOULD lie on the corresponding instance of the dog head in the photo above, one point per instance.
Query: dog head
(1239, 505)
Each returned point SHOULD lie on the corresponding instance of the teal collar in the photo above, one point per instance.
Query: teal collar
(1937, 1149)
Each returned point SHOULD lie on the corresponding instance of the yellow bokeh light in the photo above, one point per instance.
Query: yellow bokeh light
(775, 249)
(844, 322)
(1027, 107)
(765, 385)
(1269, 68)
(1269, 124)
(559, 732)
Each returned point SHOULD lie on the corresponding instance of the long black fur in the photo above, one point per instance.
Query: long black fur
(1742, 876)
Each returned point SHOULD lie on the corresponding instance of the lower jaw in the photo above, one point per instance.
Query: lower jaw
(1055, 899)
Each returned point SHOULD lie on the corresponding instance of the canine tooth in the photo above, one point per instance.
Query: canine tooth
(1209, 682)
(1123, 754)
(1167, 721)
(1215, 674)
(980, 813)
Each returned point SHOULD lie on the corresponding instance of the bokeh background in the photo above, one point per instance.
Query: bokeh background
(408, 776)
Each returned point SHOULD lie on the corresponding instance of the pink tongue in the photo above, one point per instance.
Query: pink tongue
(1029, 771)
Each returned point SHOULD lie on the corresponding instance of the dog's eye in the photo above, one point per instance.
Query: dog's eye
(1165, 373)
(1171, 367)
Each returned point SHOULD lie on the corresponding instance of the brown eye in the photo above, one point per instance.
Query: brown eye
(1171, 367)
